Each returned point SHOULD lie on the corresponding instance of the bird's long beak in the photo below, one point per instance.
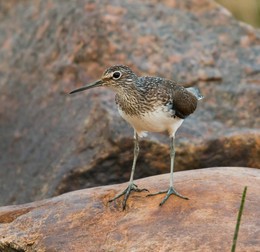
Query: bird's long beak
(94, 84)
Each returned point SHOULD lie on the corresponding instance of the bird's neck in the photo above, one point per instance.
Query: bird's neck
(130, 101)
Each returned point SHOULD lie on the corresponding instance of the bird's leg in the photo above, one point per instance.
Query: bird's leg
(131, 186)
(171, 189)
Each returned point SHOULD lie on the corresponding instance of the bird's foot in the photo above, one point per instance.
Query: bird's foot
(126, 192)
(169, 192)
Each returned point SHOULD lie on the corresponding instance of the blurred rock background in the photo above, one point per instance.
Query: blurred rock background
(51, 143)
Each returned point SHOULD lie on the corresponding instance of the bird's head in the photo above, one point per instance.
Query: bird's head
(116, 77)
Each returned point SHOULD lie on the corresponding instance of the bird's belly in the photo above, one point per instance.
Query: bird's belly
(156, 121)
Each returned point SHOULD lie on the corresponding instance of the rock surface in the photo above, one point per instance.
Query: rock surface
(53, 143)
(84, 221)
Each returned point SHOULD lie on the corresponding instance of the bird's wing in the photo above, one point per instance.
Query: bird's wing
(183, 102)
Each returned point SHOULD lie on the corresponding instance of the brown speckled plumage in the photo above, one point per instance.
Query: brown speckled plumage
(144, 94)
(151, 99)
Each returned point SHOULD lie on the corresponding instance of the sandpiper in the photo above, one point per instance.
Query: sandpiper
(149, 104)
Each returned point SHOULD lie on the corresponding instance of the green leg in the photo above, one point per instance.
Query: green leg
(171, 190)
(131, 186)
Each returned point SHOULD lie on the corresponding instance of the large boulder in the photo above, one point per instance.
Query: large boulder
(84, 220)
(53, 143)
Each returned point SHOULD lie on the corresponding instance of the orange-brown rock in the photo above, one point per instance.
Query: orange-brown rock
(84, 220)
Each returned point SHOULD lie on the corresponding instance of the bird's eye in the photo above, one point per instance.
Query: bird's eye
(116, 75)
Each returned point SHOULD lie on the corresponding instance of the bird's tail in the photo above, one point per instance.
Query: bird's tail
(195, 91)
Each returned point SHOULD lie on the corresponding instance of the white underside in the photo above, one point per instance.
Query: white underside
(156, 121)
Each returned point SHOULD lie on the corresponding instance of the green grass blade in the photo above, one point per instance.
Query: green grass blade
(239, 220)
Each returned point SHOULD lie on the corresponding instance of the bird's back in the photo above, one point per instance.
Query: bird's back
(179, 100)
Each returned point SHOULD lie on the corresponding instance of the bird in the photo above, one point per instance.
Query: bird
(148, 104)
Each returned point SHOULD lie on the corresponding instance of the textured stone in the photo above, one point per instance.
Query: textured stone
(84, 220)
(53, 143)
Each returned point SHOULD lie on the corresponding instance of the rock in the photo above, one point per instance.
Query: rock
(85, 221)
(53, 143)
